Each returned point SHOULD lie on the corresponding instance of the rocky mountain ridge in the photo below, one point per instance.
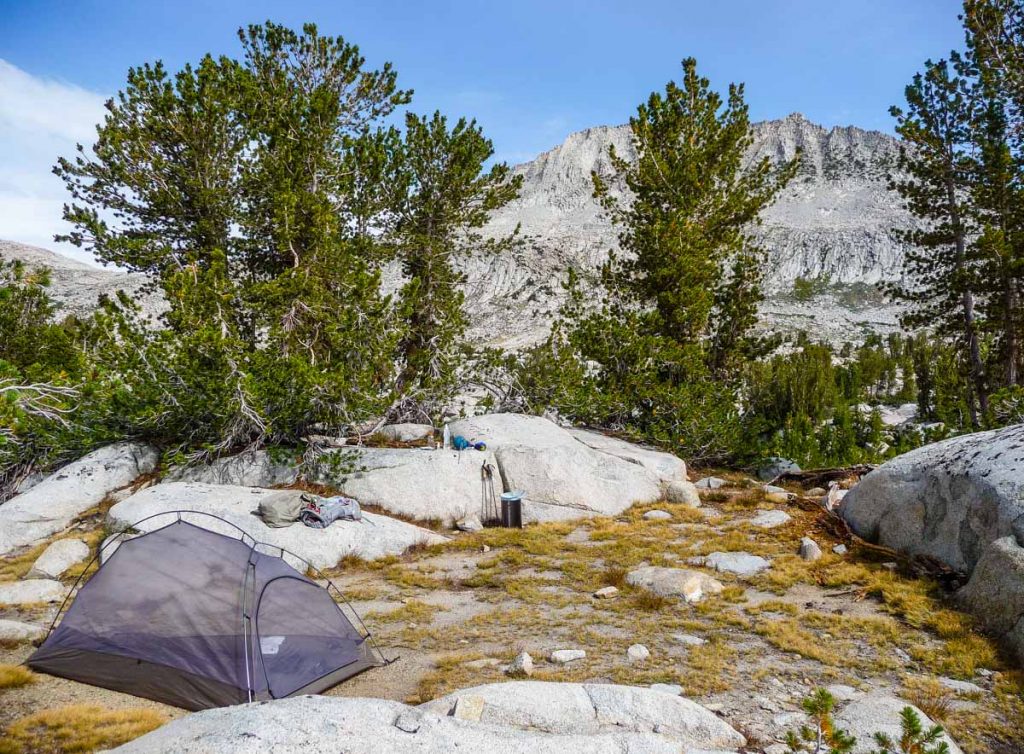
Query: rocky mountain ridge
(834, 224)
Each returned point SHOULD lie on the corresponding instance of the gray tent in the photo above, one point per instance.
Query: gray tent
(197, 619)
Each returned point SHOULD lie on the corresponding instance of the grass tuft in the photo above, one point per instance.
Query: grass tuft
(77, 728)
(15, 676)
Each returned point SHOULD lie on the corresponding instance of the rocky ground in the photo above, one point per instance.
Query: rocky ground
(456, 614)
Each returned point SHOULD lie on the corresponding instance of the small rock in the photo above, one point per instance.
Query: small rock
(834, 497)
(406, 432)
(776, 467)
(984, 672)
(606, 593)
(890, 566)
(667, 688)
(15, 631)
(58, 558)
(485, 548)
(776, 749)
(769, 519)
(709, 483)
(31, 591)
(842, 692)
(689, 640)
(468, 708)
(521, 665)
(789, 719)
(815, 492)
(692, 586)
(563, 656)
(740, 563)
(809, 549)
(638, 653)
(840, 549)
(777, 497)
(683, 493)
(409, 721)
(469, 524)
(657, 515)
(714, 707)
(771, 489)
(962, 687)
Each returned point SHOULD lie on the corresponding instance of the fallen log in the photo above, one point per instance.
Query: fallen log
(821, 477)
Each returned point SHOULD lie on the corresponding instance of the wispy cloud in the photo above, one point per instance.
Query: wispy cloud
(40, 120)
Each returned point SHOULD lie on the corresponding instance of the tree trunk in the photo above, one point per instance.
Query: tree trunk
(1010, 324)
(977, 396)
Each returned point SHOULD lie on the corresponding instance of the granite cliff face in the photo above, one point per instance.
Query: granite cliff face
(74, 286)
(833, 224)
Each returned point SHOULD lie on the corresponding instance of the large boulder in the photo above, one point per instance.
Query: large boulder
(590, 708)
(879, 713)
(373, 537)
(327, 725)
(562, 477)
(417, 483)
(995, 592)
(257, 468)
(52, 504)
(665, 466)
(948, 500)
(960, 501)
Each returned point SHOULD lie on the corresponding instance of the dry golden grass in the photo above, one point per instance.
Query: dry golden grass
(15, 676)
(789, 635)
(411, 611)
(649, 602)
(15, 567)
(614, 576)
(929, 696)
(773, 606)
(77, 728)
(707, 669)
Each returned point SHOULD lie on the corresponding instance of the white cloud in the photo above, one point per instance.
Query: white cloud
(40, 120)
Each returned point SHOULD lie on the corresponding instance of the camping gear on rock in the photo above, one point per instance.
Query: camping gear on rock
(320, 512)
(198, 619)
(461, 443)
(512, 509)
(280, 509)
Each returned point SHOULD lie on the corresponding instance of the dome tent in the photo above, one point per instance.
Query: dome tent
(197, 619)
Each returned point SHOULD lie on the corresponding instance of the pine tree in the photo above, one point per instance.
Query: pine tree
(936, 126)
(997, 204)
(248, 191)
(686, 255)
(995, 46)
(442, 197)
(659, 345)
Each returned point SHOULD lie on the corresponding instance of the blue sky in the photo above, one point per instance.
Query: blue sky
(531, 72)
